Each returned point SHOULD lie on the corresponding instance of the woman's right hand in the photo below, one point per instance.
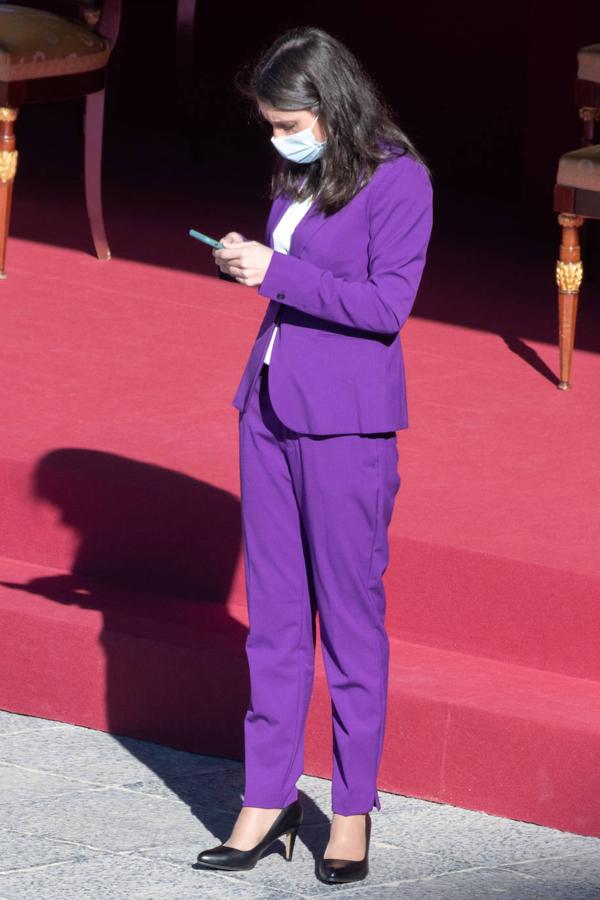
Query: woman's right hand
(232, 237)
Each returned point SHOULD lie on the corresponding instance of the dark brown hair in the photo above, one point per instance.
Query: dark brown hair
(307, 68)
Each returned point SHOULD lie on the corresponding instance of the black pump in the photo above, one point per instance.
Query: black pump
(287, 823)
(337, 871)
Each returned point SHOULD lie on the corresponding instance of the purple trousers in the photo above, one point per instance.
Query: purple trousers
(315, 514)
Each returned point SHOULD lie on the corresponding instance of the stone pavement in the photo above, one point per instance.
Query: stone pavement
(85, 815)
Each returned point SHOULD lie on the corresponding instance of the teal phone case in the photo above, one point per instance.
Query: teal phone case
(206, 239)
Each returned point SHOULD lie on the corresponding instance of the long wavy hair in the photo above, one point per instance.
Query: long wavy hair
(307, 68)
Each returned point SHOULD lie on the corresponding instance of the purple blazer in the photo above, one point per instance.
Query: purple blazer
(343, 294)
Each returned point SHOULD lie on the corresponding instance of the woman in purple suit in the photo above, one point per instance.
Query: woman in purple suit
(320, 401)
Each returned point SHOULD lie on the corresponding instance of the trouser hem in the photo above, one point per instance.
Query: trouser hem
(264, 801)
(351, 808)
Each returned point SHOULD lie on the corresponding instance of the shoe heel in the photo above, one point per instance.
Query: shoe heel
(290, 839)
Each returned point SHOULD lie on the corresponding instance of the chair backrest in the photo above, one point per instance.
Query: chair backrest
(70, 9)
(104, 16)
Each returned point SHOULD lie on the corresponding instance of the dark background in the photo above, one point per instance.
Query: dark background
(485, 92)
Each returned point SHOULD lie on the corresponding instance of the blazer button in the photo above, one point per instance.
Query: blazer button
(280, 296)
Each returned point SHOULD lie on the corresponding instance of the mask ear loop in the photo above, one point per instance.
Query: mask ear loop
(311, 128)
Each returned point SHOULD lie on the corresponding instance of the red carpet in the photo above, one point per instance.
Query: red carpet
(121, 581)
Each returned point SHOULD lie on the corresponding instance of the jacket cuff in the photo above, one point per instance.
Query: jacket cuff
(289, 274)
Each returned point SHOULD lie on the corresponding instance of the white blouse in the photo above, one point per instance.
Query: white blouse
(282, 238)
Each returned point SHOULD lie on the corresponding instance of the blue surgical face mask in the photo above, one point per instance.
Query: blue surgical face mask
(301, 147)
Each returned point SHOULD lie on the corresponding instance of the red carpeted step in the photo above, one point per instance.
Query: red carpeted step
(462, 729)
(149, 527)
(157, 667)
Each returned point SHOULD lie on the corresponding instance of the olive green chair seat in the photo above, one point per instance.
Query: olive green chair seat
(588, 63)
(580, 168)
(35, 43)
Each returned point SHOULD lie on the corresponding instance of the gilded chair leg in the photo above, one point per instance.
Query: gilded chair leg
(569, 273)
(93, 131)
(8, 169)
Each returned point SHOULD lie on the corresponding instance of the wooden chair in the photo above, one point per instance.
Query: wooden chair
(576, 198)
(56, 51)
(587, 90)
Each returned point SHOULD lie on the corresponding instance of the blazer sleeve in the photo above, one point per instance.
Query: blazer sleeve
(400, 212)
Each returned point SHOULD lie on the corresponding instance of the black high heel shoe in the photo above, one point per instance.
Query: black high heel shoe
(287, 823)
(337, 871)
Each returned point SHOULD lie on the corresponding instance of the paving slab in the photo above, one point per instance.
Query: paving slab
(101, 758)
(22, 851)
(11, 723)
(84, 814)
(104, 818)
(473, 884)
(124, 877)
(24, 784)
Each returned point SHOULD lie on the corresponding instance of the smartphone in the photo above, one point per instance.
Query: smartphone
(206, 239)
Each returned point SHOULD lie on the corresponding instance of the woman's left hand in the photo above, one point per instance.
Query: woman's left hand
(247, 261)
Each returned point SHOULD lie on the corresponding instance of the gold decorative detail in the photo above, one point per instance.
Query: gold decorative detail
(8, 114)
(589, 113)
(92, 16)
(568, 276)
(8, 164)
(570, 220)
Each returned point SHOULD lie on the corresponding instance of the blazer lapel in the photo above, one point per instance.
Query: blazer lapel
(280, 204)
(306, 228)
